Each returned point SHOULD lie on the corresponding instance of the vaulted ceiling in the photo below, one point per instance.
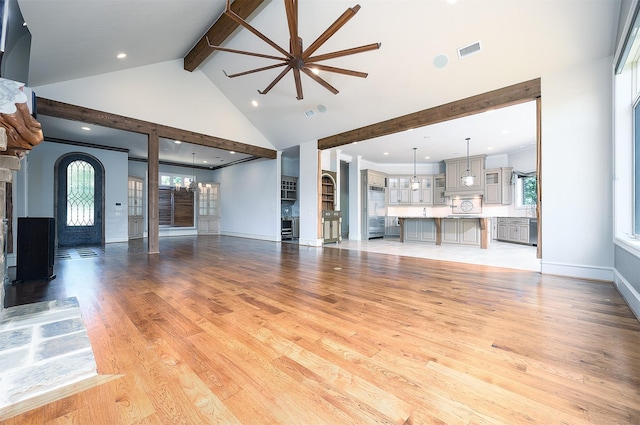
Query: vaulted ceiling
(417, 66)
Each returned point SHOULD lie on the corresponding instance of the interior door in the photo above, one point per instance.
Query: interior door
(79, 200)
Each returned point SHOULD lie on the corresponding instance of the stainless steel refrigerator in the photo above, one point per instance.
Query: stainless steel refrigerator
(373, 220)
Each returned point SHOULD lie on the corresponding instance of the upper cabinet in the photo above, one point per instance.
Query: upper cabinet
(439, 186)
(497, 186)
(288, 188)
(375, 178)
(455, 168)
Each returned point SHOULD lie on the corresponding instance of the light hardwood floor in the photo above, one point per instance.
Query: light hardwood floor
(228, 330)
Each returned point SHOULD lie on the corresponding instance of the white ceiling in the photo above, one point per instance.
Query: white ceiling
(521, 40)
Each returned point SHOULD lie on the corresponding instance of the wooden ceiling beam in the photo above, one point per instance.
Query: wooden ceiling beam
(219, 32)
(517, 93)
(67, 111)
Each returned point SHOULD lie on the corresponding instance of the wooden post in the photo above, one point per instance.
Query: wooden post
(154, 192)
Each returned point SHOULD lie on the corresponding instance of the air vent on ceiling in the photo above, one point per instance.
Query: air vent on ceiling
(309, 113)
(471, 49)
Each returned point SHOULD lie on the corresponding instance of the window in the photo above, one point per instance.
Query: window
(80, 193)
(175, 180)
(526, 190)
(627, 135)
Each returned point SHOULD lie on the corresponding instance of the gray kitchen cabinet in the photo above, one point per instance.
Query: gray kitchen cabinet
(424, 194)
(450, 232)
(420, 230)
(497, 186)
(400, 193)
(455, 168)
(439, 186)
(461, 231)
(375, 178)
(514, 229)
(288, 188)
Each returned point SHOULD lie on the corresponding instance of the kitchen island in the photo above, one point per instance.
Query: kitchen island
(463, 230)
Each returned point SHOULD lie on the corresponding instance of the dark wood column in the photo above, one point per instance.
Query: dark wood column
(153, 168)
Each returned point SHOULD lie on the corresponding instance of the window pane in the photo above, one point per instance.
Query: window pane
(80, 193)
(529, 191)
(636, 163)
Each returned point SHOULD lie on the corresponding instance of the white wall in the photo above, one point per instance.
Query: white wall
(163, 93)
(308, 194)
(577, 172)
(250, 195)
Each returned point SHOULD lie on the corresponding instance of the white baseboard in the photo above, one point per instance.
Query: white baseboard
(628, 292)
(310, 242)
(577, 270)
(270, 238)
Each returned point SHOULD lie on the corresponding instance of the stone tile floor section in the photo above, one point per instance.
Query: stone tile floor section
(43, 347)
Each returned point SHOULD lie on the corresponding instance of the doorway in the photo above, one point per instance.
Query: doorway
(79, 200)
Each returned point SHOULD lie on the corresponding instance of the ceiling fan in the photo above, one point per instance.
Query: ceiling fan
(298, 59)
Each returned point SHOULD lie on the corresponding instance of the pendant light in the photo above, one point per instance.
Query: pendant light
(415, 182)
(468, 177)
(193, 186)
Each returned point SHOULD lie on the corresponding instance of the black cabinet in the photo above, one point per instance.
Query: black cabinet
(36, 248)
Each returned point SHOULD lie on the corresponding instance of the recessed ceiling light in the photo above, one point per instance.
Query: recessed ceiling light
(386, 153)
(231, 152)
(315, 71)
(254, 103)
(177, 142)
(121, 55)
(427, 157)
(204, 162)
(85, 128)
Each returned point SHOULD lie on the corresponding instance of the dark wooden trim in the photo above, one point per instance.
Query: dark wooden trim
(54, 108)
(517, 93)
(219, 32)
(85, 144)
(153, 208)
(200, 167)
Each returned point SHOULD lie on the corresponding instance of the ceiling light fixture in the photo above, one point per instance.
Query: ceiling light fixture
(297, 59)
(468, 177)
(415, 182)
(193, 186)
(121, 55)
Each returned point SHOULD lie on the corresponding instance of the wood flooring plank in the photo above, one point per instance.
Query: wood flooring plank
(218, 329)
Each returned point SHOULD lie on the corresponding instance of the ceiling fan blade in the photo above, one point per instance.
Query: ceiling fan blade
(296, 77)
(237, 19)
(345, 52)
(291, 7)
(337, 70)
(333, 28)
(274, 82)
(252, 71)
(242, 52)
(320, 81)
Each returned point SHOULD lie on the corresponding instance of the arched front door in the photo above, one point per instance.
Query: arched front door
(80, 200)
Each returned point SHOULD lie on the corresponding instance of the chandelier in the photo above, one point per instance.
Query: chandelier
(468, 177)
(415, 181)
